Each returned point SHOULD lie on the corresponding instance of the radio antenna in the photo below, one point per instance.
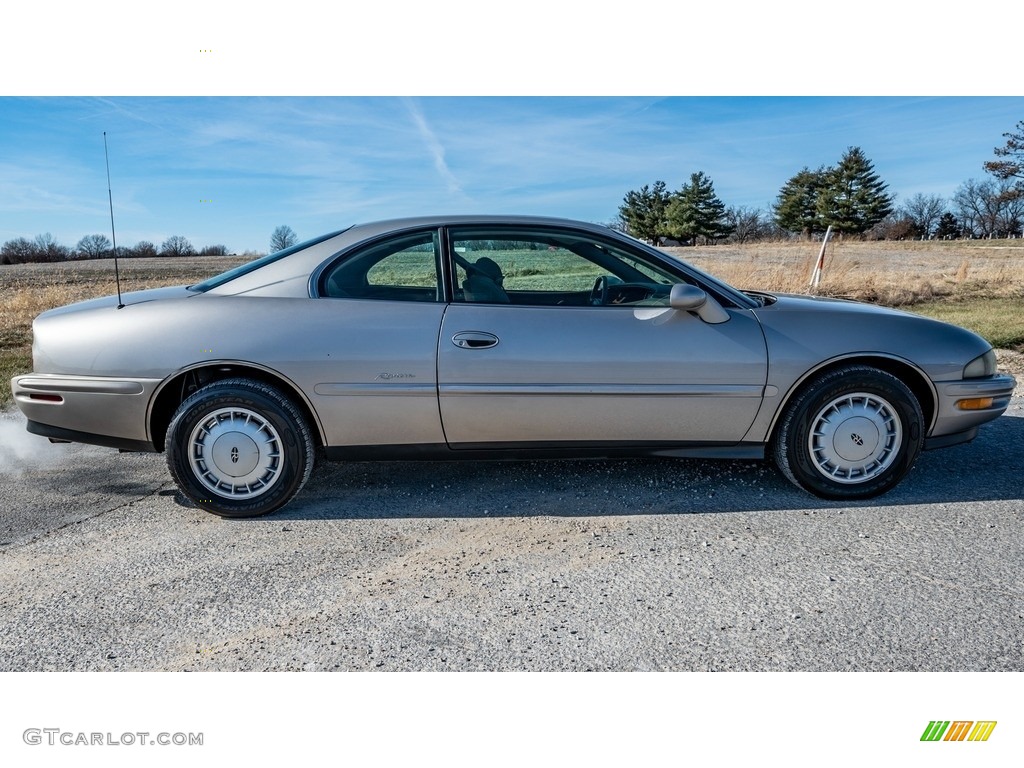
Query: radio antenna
(113, 237)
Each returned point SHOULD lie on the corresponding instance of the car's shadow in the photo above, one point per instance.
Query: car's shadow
(990, 468)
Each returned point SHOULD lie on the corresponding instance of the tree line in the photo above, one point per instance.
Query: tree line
(848, 196)
(44, 248)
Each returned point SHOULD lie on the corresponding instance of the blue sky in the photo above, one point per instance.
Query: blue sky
(228, 170)
(223, 126)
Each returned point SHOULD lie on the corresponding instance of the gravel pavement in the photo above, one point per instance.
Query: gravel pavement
(571, 565)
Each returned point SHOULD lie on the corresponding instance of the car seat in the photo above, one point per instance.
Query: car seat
(483, 282)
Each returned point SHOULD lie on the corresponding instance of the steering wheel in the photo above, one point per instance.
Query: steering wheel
(599, 293)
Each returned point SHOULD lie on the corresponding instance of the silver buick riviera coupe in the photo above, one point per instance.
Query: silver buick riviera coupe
(498, 337)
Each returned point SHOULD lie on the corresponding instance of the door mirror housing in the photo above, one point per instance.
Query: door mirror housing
(690, 298)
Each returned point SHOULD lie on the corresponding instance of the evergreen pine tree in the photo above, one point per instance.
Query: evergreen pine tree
(696, 211)
(853, 198)
(643, 211)
(948, 227)
(796, 208)
(1013, 166)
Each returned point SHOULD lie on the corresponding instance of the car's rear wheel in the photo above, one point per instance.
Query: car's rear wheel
(239, 448)
(852, 433)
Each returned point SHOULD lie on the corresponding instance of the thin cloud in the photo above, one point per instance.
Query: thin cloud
(121, 110)
(38, 187)
(433, 146)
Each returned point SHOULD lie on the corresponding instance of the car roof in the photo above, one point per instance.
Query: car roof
(371, 228)
(296, 267)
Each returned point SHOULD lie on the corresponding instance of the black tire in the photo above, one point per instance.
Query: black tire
(239, 448)
(851, 433)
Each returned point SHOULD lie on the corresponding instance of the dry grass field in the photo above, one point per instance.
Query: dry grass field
(890, 273)
(977, 284)
(28, 289)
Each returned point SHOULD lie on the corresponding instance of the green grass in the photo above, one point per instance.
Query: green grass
(999, 321)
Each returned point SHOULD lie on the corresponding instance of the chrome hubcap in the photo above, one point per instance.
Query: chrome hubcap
(236, 453)
(855, 438)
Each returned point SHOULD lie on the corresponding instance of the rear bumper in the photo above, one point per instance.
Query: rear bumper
(88, 409)
(69, 435)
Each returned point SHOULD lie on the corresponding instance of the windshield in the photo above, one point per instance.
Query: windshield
(250, 266)
(721, 290)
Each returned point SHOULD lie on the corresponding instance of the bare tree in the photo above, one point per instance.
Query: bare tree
(924, 211)
(747, 224)
(895, 226)
(48, 249)
(93, 247)
(17, 251)
(1011, 215)
(989, 208)
(282, 237)
(176, 245)
(142, 249)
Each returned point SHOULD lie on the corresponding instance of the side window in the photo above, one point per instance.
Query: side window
(489, 269)
(401, 269)
(552, 269)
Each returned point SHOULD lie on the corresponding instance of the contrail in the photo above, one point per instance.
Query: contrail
(433, 146)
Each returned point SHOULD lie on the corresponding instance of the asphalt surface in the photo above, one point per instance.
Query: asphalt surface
(573, 565)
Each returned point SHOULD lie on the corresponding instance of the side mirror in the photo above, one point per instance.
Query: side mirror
(690, 298)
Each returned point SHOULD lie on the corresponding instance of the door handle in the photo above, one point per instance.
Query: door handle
(474, 340)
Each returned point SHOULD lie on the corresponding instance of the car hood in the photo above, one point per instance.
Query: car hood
(815, 328)
(797, 302)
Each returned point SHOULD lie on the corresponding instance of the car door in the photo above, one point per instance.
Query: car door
(533, 354)
(373, 373)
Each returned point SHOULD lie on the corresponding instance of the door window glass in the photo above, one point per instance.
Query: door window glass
(404, 268)
(536, 267)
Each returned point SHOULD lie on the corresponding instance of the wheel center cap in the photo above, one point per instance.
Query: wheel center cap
(235, 454)
(856, 438)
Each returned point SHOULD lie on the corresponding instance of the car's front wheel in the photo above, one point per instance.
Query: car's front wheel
(239, 448)
(852, 433)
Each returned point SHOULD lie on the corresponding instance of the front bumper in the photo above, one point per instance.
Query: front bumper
(953, 420)
(88, 409)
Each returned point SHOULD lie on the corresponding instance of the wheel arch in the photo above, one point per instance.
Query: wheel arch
(913, 377)
(176, 388)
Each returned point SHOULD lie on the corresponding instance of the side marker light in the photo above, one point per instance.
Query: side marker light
(975, 403)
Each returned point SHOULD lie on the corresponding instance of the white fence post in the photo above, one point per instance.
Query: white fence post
(820, 263)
